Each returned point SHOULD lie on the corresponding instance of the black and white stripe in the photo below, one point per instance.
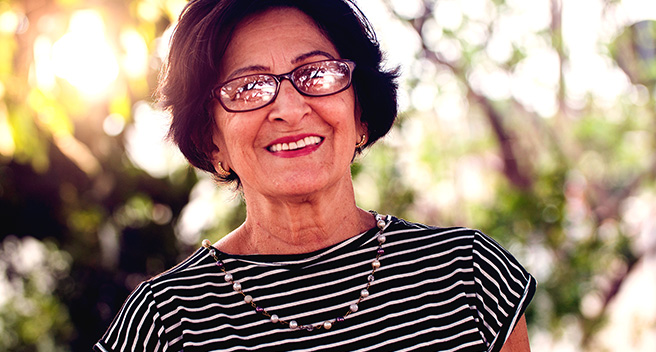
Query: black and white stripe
(437, 289)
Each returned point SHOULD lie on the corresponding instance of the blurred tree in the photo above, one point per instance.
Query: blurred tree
(71, 75)
(497, 132)
(570, 168)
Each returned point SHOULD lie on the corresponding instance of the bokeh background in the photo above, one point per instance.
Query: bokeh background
(531, 120)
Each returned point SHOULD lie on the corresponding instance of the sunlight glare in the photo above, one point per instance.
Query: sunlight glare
(207, 204)
(448, 14)
(491, 81)
(135, 59)
(423, 96)
(83, 57)
(639, 10)
(535, 82)
(148, 11)
(408, 8)
(588, 69)
(43, 68)
(398, 40)
(114, 124)
(8, 22)
(147, 145)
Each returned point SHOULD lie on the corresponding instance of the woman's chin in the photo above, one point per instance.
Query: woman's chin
(294, 186)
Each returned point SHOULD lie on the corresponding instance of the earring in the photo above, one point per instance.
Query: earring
(221, 171)
(363, 140)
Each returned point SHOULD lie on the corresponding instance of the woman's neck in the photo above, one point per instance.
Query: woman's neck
(297, 224)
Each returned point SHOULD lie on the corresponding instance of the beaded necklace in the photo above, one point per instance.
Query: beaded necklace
(381, 222)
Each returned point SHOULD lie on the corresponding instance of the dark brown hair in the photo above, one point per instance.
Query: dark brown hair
(202, 36)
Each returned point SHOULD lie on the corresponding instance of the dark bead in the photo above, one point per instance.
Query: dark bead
(339, 319)
(381, 251)
(219, 264)
(259, 309)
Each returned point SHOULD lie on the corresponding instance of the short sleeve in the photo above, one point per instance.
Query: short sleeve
(503, 290)
(136, 327)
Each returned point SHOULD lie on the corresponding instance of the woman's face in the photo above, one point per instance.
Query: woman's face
(277, 41)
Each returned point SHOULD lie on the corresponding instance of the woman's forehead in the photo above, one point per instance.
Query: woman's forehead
(274, 39)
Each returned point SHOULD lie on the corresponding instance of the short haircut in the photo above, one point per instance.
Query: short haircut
(200, 40)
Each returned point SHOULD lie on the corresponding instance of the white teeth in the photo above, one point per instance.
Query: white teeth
(302, 143)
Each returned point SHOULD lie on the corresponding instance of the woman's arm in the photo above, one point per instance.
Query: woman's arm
(518, 339)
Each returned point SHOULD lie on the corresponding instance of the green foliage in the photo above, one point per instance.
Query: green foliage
(31, 318)
(588, 158)
(634, 52)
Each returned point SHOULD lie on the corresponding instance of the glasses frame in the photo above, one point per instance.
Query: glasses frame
(279, 78)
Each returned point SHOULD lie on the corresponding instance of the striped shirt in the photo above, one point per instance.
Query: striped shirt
(437, 289)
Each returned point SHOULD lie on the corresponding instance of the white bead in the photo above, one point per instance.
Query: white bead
(228, 277)
(236, 286)
(381, 239)
(327, 325)
(293, 324)
(381, 224)
(207, 243)
(370, 278)
(275, 319)
(375, 264)
(212, 253)
(248, 299)
(353, 308)
(364, 293)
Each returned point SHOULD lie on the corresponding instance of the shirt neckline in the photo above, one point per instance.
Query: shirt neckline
(349, 245)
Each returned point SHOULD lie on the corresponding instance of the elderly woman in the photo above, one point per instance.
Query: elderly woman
(278, 96)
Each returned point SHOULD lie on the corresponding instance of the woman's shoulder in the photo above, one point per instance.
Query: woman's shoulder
(417, 235)
(401, 228)
(429, 245)
(404, 228)
(197, 264)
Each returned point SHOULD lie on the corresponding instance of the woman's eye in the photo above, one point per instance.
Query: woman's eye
(310, 77)
(315, 73)
(249, 86)
(249, 89)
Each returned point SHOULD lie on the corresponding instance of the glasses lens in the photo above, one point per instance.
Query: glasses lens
(247, 93)
(322, 78)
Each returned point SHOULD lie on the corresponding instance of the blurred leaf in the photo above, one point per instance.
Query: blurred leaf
(635, 52)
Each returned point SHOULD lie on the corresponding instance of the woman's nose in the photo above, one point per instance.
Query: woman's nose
(290, 105)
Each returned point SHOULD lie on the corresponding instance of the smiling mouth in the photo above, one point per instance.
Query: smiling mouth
(299, 144)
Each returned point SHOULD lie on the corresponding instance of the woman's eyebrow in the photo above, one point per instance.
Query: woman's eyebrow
(310, 54)
(243, 70)
(259, 68)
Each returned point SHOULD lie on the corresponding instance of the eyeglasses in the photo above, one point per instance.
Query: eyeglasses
(316, 79)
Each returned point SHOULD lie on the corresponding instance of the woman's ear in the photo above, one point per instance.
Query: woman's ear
(363, 129)
(218, 154)
(361, 126)
(221, 165)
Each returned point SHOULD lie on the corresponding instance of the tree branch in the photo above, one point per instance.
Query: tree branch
(511, 167)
